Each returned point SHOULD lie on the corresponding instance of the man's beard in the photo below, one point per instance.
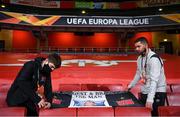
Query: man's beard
(143, 53)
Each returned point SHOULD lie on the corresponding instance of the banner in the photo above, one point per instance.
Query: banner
(37, 3)
(93, 4)
(112, 5)
(90, 5)
(153, 3)
(80, 99)
(99, 5)
(88, 99)
(67, 4)
(89, 21)
(86, 5)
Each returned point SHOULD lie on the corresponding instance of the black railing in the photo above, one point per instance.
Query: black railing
(79, 50)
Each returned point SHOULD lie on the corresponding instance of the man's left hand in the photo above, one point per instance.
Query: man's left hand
(47, 105)
(149, 105)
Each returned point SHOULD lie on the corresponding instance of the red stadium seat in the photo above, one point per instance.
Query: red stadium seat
(69, 87)
(102, 87)
(3, 100)
(169, 111)
(4, 87)
(132, 111)
(175, 88)
(13, 111)
(168, 88)
(173, 99)
(104, 112)
(68, 112)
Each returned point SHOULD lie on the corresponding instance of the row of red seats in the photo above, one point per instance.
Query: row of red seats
(173, 111)
(108, 112)
(103, 112)
(90, 87)
(97, 87)
(172, 97)
(174, 88)
(13, 111)
(108, 87)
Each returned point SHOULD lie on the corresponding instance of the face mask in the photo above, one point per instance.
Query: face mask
(47, 69)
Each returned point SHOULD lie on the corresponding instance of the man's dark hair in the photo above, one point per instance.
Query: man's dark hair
(56, 59)
(142, 40)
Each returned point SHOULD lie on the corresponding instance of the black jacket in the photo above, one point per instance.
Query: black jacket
(25, 86)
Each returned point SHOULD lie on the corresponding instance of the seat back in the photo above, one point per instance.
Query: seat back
(102, 87)
(173, 99)
(169, 111)
(132, 111)
(168, 88)
(4, 88)
(3, 100)
(68, 112)
(175, 88)
(69, 87)
(103, 112)
(13, 111)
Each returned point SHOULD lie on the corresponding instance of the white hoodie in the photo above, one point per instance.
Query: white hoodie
(155, 80)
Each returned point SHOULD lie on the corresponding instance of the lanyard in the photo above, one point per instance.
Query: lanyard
(145, 65)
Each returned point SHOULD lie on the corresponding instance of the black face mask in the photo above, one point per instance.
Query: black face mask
(46, 69)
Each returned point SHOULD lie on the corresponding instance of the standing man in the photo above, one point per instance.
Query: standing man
(32, 87)
(150, 71)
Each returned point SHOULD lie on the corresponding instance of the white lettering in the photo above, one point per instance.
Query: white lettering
(133, 21)
(76, 21)
(130, 22)
(84, 21)
(124, 22)
(69, 20)
(103, 22)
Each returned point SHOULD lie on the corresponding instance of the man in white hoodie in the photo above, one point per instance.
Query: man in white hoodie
(150, 71)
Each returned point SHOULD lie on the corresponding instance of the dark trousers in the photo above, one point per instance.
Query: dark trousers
(32, 109)
(159, 100)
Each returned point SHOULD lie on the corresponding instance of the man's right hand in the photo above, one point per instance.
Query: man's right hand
(128, 88)
(42, 103)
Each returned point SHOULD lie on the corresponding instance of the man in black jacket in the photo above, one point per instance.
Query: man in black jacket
(34, 75)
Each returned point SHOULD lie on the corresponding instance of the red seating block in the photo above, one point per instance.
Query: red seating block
(169, 111)
(173, 99)
(4, 87)
(102, 87)
(104, 112)
(69, 87)
(168, 88)
(69, 112)
(3, 100)
(175, 88)
(132, 111)
(13, 111)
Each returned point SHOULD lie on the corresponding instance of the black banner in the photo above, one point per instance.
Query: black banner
(88, 21)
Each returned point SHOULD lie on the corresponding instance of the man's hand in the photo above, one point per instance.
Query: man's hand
(41, 104)
(128, 88)
(47, 105)
(149, 105)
